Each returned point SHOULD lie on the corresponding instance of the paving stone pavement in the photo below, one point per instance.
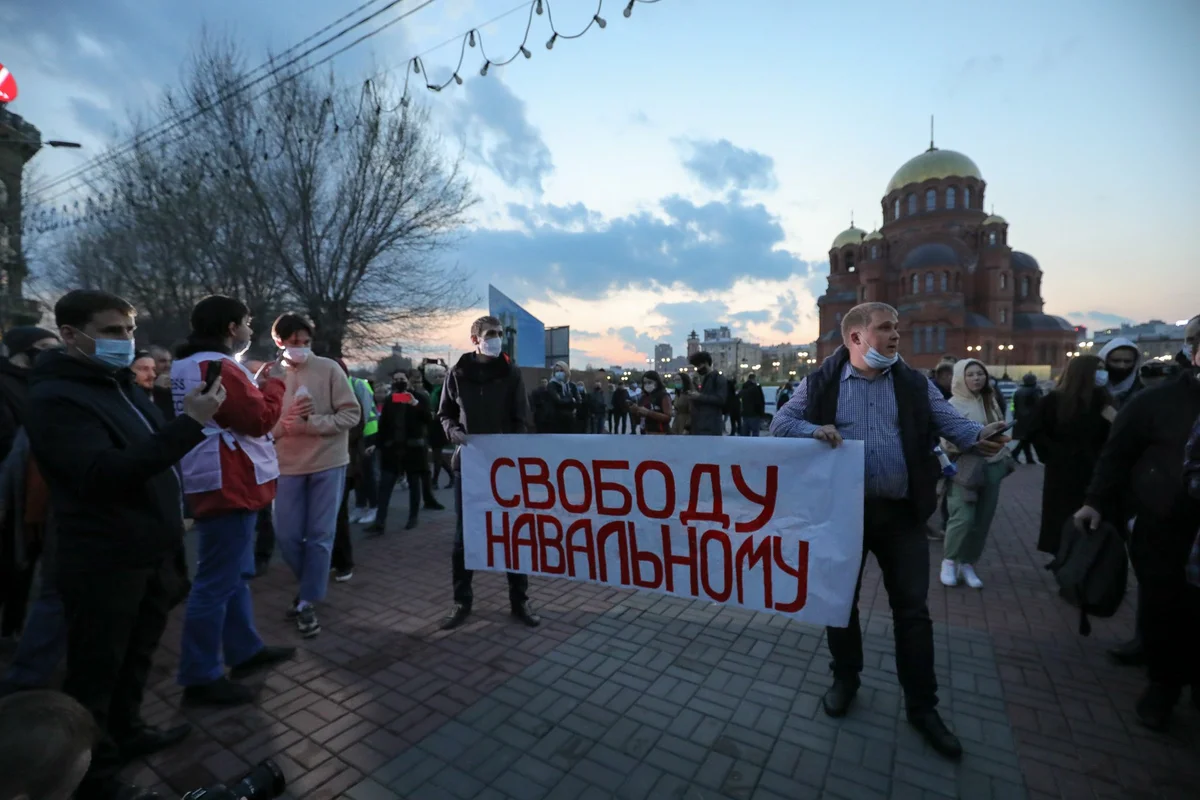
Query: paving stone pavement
(633, 695)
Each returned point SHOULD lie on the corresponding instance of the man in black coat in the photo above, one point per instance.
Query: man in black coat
(484, 394)
(1025, 401)
(109, 460)
(563, 402)
(403, 444)
(620, 410)
(754, 407)
(1143, 460)
(711, 399)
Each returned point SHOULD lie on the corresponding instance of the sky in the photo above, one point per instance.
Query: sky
(690, 165)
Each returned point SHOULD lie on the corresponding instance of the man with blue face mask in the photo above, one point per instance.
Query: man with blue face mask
(864, 391)
(108, 459)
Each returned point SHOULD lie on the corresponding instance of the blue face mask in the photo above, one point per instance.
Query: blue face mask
(876, 360)
(1187, 351)
(1101, 377)
(115, 353)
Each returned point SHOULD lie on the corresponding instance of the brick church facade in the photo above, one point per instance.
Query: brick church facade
(947, 266)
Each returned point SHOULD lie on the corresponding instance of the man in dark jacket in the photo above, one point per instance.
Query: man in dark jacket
(1143, 460)
(754, 407)
(539, 400)
(1025, 401)
(108, 460)
(560, 393)
(620, 410)
(484, 395)
(711, 398)
(403, 445)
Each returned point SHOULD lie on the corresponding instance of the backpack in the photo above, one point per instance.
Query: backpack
(1091, 570)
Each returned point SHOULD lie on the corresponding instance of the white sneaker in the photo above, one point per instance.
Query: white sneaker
(949, 573)
(356, 514)
(968, 573)
(367, 518)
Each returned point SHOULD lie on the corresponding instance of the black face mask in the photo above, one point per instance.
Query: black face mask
(702, 369)
(400, 386)
(1117, 375)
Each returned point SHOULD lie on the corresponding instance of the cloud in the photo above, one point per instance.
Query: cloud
(720, 164)
(573, 251)
(92, 116)
(761, 315)
(491, 121)
(1100, 318)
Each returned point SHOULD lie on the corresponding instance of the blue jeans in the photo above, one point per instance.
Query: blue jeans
(306, 509)
(44, 640)
(220, 613)
(751, 426)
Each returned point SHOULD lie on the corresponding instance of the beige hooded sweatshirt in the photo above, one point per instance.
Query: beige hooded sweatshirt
(320, 441)
(972, 406)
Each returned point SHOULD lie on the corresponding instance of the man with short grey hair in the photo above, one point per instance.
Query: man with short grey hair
(865, 392)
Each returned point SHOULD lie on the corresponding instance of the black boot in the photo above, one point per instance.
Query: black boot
(433, 505)
(411, 524)
(1156, 704)
(839, 697)
(456, 617)
(221, 693)
(263, 659)
(524, 612)
(929, 724)
(1130, 654)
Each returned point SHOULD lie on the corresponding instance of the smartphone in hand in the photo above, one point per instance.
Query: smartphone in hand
(402, 397)
(211, 372)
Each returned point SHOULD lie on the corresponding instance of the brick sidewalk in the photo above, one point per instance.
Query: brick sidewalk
(631, 695)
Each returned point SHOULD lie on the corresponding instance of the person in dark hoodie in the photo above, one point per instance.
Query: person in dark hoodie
(484, 394)
(1025, 402)
(109, 461)
(403, 444)
(1143, 459)
(17, 557)
(560, 414)
(711, 398)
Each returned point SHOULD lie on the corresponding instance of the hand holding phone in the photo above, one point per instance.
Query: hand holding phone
(998, 433)
(403, 397)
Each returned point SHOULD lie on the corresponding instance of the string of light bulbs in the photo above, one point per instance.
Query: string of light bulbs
(413, 66)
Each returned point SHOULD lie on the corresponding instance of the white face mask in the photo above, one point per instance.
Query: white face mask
(297, 355)
(649, 387)
(558, 376)
(491, 347)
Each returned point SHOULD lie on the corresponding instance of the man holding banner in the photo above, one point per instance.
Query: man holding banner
(865, 392)
(484, 395)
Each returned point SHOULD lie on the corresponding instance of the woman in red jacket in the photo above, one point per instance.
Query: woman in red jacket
(228, 479)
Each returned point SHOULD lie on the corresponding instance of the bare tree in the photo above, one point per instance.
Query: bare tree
(295, 195)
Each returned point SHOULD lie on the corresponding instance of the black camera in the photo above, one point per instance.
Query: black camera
(264, 782)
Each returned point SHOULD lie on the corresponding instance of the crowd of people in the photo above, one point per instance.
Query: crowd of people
(112, 453)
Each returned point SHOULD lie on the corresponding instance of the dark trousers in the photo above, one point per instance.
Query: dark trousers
(1024, 446)
(342, 557)
(618, 420)
(596, 423)
(633, 423)
(902, 551)
(16, 581)
(420, 487)
(264, 535)
(115, 618)
(366, 485)
(518, 583)
(1168, 612)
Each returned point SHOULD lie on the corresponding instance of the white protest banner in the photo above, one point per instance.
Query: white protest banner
(764, 523)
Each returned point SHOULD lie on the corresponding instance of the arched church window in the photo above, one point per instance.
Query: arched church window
(916, 283)
(931, 199)
(1025, 287)
(966, 197)
(874, 251)
(912, 204)
(945, 281)
(951, 197)
(1003, 280)
(833, 267)
(991, 237)
(1003, 315)
(896, 209)
(929, 282)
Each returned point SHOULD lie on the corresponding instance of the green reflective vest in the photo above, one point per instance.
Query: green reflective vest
(362, 389)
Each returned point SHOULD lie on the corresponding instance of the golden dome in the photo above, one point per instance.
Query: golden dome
(851, 235)
(873, 236)
(995, 219)
(933, 164)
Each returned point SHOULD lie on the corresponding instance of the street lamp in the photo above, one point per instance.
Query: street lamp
(1005, 352)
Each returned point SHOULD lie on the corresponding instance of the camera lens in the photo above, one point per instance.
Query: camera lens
(264, 782)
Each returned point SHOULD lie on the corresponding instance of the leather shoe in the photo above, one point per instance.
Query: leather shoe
(221, 692)
(1155, 706)
(434, 505)
(151, 740)
(1130, 654)
(263, 659)
(456, 617)
(411, 524)
(524, 613)
(839, 697)
(929, 724)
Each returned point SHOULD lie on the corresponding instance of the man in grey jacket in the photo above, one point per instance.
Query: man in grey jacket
(710, 398)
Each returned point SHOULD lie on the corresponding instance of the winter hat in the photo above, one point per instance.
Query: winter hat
(20, 339)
